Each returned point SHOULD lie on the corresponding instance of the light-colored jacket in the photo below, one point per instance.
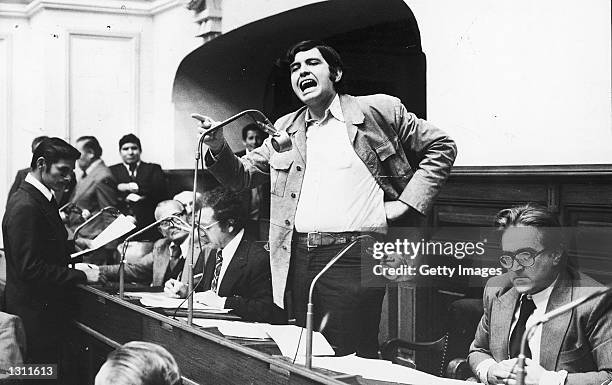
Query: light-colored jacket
(578, 341)
(408, 157)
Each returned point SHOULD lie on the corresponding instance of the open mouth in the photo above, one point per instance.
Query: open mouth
(307, 84)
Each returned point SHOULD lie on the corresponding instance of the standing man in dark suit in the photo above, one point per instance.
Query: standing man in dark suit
(572, 349)
(358, 164)
(141, 185)
(237, 274)
(62, 196)
(257, 199)
(39, 284)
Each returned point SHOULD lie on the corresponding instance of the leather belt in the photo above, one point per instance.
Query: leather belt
(317, 239)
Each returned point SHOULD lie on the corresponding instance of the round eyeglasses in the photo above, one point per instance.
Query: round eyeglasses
(525, 258)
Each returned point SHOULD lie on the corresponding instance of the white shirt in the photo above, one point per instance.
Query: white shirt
(338, 191)
(39, 186)
(227, 254)
(127, 166)
(540, 299)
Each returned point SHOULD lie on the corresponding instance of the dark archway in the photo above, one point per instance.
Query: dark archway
(379, 42)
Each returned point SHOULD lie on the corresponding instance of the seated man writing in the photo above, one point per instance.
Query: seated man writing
(237, 273)
(574, 348)
(167, 259)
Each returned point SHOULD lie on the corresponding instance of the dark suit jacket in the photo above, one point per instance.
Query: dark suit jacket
(62, 197)
(246, 283)
(151, 185)
(39, 284)
(97, 190)
(579, 341)
(150, 269)
(260, 228)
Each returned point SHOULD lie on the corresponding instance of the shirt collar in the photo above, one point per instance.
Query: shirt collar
(93, 165)
(39, 186)
(127, 166)
(540, 299)
(334, 109)
(229, 249)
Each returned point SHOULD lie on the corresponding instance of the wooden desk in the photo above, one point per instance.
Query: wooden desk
(104, 322)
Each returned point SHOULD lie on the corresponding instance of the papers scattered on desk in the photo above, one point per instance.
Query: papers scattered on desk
(119, 227)
(162, 301)
(287, 337)
(234, 328)
(380, 370)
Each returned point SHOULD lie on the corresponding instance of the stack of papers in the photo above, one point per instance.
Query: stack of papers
(160, 300)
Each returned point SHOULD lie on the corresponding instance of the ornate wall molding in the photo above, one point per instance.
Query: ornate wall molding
(127, 7)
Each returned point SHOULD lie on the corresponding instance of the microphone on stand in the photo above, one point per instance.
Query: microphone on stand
(171, 218)
(520, 372)
(309, 311)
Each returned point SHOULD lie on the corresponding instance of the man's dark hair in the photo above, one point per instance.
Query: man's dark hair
(331, 56)
(36, 141)
(52, 150)
(130, 138)
(90, 143)
(535, 216)
(227, 206)
(252, 127)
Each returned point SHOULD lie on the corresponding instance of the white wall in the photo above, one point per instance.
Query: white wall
(519, 82)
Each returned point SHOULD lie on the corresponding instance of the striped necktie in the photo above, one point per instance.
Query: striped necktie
(218, 263)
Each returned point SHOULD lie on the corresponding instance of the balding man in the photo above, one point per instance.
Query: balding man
(167, 259)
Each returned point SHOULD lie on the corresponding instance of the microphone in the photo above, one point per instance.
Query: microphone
(520, 372)
(280, 139)
(309, 311)
(132, 236)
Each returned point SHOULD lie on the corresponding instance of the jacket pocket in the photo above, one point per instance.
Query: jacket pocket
(279, 172)
(386, 149)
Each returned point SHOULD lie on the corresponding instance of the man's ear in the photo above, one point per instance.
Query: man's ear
(337, 75)
(41, 164)
(557, 256)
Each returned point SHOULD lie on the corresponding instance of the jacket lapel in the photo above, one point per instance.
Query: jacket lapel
(50, 213)
(501, 320)
(352, 115)
(234, 269)
(554, 330)
(297, 130)
(161, 259)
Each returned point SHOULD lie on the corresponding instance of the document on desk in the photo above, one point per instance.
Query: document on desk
(235, 328)
(119, 227)
(287, 337)
(380, 370)
(162, 301)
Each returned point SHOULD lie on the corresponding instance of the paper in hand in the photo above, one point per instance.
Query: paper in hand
(119, 227)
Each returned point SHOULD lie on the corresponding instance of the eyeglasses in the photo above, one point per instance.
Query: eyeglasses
(525, 258)
(207, 227)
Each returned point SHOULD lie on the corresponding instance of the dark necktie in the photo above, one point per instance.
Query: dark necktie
(527, 308)
(218, 264)
(133, 171)
(53, 203)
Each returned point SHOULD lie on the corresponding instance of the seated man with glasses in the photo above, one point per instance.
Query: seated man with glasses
(167, 259)
(237, 273)
(574, 348)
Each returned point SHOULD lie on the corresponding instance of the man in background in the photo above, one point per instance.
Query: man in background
(166, 260)
(237, 273)
(96, 187)
(257, 199)
(141, 185)
(39, 284)
(62, 197)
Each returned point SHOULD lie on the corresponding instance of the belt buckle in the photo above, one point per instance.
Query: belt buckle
(315, 236)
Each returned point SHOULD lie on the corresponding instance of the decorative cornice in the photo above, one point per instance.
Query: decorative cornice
(121, 7)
